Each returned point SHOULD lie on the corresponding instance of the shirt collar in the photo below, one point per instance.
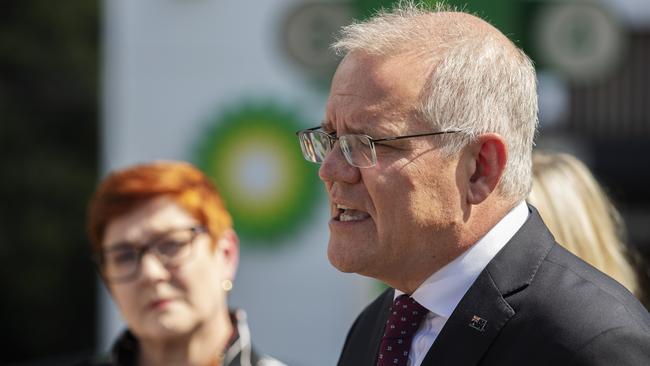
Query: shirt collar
(443, 290)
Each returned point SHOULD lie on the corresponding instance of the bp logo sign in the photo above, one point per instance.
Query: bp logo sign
(253, 156)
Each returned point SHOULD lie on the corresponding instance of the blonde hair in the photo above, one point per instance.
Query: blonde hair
(479, 82)
(580, 215)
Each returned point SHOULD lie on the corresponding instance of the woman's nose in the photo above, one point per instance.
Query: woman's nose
(151, 268)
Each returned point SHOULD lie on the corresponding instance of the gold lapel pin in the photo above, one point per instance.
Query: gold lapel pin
(478, 323)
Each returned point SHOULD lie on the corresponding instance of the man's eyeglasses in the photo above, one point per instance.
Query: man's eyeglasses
(121, 262)
(359, 150)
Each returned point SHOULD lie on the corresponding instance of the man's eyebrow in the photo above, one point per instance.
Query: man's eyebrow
(328, 127)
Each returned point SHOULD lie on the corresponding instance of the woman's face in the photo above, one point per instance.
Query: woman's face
(167, 301)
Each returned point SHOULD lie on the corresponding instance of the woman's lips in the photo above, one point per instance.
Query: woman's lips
(159, 304)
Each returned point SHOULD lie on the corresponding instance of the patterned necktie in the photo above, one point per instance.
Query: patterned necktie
(403, 321)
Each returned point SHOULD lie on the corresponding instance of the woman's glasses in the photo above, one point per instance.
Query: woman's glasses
(121, 262)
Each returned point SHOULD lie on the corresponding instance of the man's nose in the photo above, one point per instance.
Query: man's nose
(335, 168)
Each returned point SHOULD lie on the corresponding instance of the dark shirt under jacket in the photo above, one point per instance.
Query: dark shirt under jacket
(240, 350)
(534, 304)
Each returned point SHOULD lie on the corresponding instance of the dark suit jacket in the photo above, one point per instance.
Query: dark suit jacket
(542, 306)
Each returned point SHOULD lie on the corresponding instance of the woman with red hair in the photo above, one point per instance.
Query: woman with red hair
(167, 252)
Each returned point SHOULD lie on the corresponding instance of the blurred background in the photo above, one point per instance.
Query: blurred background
(87, 86)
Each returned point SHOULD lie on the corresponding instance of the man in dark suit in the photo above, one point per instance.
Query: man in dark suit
(426, 157)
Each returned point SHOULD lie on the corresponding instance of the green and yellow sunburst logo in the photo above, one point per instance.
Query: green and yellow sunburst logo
(252, 154)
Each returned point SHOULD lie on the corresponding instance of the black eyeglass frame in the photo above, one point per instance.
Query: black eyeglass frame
(333, 139)
(100, 259)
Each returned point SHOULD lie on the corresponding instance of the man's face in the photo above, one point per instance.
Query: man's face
(397, 218)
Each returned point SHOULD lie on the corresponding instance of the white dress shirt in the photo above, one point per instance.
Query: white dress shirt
(443, 290)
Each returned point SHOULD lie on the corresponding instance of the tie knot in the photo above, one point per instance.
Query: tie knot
(404, 318)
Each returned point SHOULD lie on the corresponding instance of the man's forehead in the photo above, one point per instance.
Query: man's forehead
(370, 88)
(376, 128)
(373, 76)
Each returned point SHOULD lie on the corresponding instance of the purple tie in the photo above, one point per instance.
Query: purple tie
(403, 321)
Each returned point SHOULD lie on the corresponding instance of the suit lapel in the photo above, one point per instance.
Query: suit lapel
(364, 338)
(473, 325)
(483, 311)
(378, 331)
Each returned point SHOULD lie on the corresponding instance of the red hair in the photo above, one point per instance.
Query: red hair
(125, 190)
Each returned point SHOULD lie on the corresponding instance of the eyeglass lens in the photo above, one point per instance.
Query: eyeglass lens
(315, 145)
(357, 149)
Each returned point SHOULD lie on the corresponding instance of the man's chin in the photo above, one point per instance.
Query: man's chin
(343, 268)
(342, 258)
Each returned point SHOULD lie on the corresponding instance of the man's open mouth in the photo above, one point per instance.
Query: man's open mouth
(346, 214)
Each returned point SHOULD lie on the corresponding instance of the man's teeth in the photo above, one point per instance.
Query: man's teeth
(352, 215)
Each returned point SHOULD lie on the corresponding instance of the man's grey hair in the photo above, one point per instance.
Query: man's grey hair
(479, 82)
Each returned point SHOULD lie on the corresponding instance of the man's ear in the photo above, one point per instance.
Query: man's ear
(229, 244)
(488, 155)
